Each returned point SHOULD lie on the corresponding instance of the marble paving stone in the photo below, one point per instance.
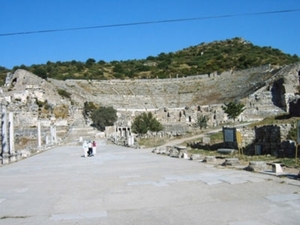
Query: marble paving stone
(232, 180)
(133, 186)
(129, 176)
(252, 222)
(141, 183)
(77, 216)
(283, 198)
(210, 180)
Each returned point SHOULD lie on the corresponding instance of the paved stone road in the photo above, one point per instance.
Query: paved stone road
(129, 186)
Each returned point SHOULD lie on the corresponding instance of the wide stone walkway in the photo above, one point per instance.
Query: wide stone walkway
(134, 186)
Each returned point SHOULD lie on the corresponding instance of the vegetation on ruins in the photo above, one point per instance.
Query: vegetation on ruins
(64, 93)
(233, 109)
(88, 109)
(104, 116)
(146, 122)
(204, 58)
(202, 121)
(61, 111)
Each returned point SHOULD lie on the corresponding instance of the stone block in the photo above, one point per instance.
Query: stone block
(210, 159)
(184, 156)
(227, 151)
(195, 157)
(257, 166)
(231, 162)
(174, 153)
(156, 150)
(206, 140)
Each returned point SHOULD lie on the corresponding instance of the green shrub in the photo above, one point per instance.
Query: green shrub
(104, 116)
(64, 93)
(146, 122)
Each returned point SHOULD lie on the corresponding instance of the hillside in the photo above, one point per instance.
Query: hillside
(205, 58)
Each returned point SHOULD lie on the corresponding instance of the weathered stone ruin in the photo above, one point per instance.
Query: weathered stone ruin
(175, 102)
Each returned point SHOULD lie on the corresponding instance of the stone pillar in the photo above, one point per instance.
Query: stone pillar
(129, 140)
(53, 134)
(47, 140)
(11, 134)
(4, 139)
(39, 134)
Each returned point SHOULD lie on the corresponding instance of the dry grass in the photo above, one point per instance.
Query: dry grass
(61, 111)
(152, 142)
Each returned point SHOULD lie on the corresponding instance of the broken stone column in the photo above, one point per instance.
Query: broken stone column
(11, 134)
(53, 135)
(4, 140)
(130, 140)
(47, 140)
(39, 134)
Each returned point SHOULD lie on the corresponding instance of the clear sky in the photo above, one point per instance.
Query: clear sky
(278, 30)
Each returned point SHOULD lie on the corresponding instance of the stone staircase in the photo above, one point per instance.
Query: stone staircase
(80, 132)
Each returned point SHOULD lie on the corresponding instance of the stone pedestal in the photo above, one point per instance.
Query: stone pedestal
(276, 168)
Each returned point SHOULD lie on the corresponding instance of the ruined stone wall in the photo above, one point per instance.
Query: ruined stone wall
(270, 138)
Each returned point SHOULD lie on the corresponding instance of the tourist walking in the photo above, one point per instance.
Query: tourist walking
(85, 148)
(90, 151)
(94, 147)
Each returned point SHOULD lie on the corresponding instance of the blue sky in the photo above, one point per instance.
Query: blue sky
(278, 30)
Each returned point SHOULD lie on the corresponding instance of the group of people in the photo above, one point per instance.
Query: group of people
(89, 148)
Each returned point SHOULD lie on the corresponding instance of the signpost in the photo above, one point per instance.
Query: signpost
(229, 134)
(239, 142)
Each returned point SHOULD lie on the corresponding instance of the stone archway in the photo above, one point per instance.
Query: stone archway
(294, 108)
(278, 93)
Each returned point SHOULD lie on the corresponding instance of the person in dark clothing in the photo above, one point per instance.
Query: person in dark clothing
(90, 147)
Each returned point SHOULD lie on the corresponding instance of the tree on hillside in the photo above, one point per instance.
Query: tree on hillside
(118, 68)
(146, 122)
(104, 116)
(233, 109)
(90, 62)
(41, 72)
